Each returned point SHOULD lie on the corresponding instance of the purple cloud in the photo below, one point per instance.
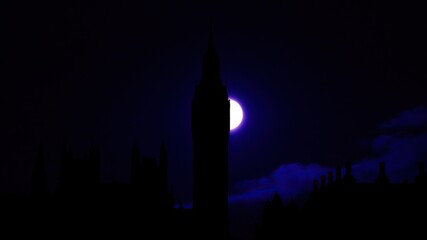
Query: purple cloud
(289, 180)
(415, 118)
(400, 147)
(400, 153)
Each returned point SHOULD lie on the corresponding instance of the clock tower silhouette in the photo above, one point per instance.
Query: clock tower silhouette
(210, 132)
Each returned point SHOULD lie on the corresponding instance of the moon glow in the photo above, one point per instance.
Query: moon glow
(236, 114)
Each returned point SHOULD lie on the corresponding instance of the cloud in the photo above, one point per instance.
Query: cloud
(415, 118)
(289, 179)
(401, 145)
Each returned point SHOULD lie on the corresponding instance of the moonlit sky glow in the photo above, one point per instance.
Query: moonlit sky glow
(236, 114)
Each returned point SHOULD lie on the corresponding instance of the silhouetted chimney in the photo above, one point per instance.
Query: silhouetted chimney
(382, 168)
(322, 181)
(338, 173)
(382, 177)
(348, 168)
(277, 203)
(330, 177)
(348, 178)
(315, 184)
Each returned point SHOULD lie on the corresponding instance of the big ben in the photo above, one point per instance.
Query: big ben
(210, 132)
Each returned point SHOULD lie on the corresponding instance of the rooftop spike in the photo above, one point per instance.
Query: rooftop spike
(210, 71)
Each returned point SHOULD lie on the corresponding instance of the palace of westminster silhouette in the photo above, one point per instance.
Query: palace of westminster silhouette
(83, 206)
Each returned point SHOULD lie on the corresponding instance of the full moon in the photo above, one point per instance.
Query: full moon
(236, 114)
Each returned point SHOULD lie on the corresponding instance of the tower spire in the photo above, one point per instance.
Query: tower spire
(210, 132)
(210, 71)
(210, 37)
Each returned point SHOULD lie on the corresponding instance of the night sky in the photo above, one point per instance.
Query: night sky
(320, 82)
